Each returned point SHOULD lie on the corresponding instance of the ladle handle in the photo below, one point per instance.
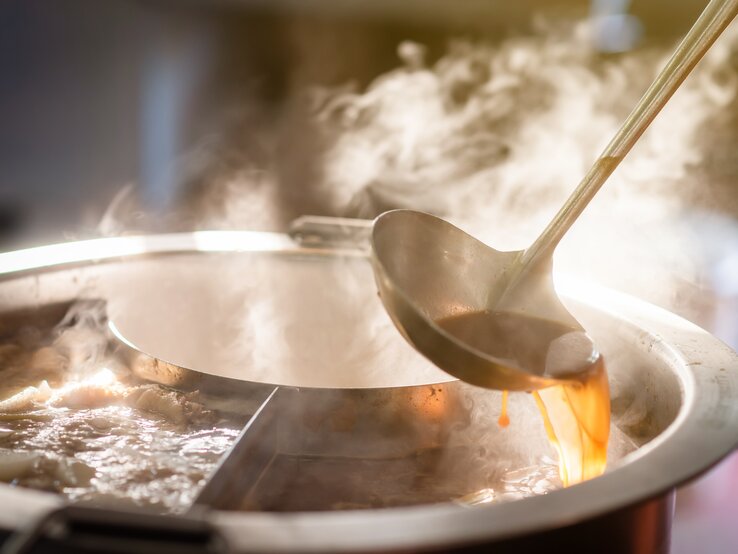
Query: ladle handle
(713, 21)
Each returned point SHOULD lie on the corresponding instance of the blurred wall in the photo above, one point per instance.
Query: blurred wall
(95, 95)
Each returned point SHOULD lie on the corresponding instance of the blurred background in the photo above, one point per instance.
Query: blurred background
(132, 116)
(94, 97)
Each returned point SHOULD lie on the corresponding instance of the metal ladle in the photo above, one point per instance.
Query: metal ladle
(427, 270)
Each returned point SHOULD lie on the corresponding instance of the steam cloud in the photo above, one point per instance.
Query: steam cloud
(495, 137)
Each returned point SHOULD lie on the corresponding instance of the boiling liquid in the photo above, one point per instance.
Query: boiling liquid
(576, 413)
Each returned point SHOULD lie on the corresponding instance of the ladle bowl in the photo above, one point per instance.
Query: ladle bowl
(427, 270)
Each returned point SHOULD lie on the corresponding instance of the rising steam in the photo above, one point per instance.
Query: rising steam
(495, 137)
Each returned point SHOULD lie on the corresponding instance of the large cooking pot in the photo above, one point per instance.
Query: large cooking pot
(680, 381)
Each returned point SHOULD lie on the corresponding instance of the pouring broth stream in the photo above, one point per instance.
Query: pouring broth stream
(576, 412)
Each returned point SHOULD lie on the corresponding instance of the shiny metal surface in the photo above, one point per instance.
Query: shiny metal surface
(689, 378)
(426, 269)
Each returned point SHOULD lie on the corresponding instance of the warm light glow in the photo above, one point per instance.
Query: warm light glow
(577, 421)
(102, 378)
(607, 299)
(431, 402)
(563, 470)
(96, 389)
(504, 420)
(108, 248)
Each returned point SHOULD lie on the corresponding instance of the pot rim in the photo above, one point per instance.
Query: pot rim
(704, 431)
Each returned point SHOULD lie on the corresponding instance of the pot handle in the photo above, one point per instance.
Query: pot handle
(314, 231)
(81, 529)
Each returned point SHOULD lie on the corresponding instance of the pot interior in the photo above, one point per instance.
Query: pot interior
(357, 419)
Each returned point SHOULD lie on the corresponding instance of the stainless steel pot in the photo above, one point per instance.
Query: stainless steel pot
(684, 380)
